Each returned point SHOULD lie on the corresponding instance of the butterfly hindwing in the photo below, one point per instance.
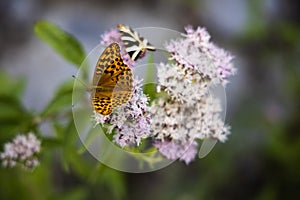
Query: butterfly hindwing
(123, 88)
(112, 81)
(102, 104)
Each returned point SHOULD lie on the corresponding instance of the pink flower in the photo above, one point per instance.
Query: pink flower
(131, 121)
(184, 151)
(111, 36)
(22, 150)
(196, 52)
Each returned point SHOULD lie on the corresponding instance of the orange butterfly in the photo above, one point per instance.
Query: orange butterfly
(112, 82)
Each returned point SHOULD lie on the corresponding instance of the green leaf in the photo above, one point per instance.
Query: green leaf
(13, 117)
(150, 88)
(73, 194)
(11, 86)
(70, 157)
(51, 143)
(88, 140)
(62, 42)
(114, 181)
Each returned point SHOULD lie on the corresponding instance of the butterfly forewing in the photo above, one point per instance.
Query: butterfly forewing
(112, 81)
(135, 45)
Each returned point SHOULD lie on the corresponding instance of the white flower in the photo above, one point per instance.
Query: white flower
(186, 111)
(197, 53)
(183, 85)
(185, 151)
(182, 122)
(22, 150)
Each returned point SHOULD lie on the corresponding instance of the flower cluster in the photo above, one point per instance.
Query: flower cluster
(196, 53)
(189, 112)
(181, 122)
(22, 150)
(131, 121)
(185, 111)
(169, 75)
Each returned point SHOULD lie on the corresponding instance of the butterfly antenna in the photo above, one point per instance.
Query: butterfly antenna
(81, 82)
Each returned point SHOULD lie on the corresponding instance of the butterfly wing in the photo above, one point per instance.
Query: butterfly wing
(123, 89)
(106, 66)
(108, 80)
(102, 104)
(135, 45)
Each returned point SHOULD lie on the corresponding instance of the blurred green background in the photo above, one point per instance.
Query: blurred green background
(261, 159)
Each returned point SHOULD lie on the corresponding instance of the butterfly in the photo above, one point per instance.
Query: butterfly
(112, 81)
(135, 45)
